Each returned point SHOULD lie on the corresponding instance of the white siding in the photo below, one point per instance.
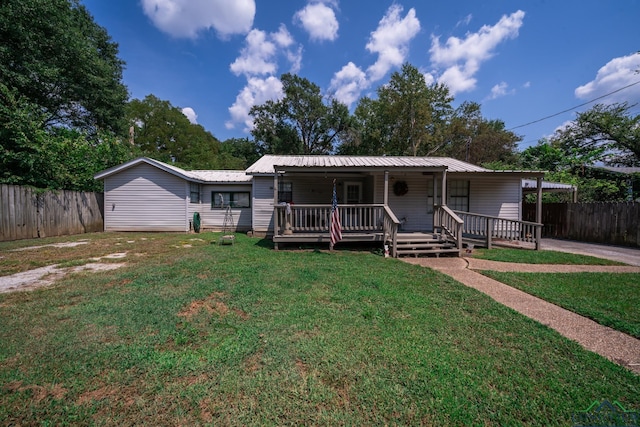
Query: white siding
(262, 204)
(413, 208)
(145, 198)
(495, 195)
(213, 218)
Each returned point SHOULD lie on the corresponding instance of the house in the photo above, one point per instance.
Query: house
(411, 204)
(148, 195)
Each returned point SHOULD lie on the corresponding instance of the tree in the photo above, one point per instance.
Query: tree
(607, 133)
(408, 117)
(60, 158)
(472, 138)
(58, 59)
(300, 122)
(241, 152)
(163, 132)
(413, 114)
(567, 165)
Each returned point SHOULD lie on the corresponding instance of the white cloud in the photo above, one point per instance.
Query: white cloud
(191, 115)
(185, 18)
(348, 83)
(282, 37)
(319, 20)
(258, 55)
(462, 58)
(256, 92)
(464, 21)
(500, 90)
(617, 73)
(391, 40)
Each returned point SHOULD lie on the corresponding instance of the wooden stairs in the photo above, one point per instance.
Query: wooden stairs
(415, 244)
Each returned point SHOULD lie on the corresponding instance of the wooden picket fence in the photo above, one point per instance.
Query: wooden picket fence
(27, 213)
(615, 223)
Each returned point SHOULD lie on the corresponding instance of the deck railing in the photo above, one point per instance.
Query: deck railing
(449, 224)
(290, 219)
(491, 228)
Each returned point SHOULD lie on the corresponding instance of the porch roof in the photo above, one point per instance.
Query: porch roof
(268, 164)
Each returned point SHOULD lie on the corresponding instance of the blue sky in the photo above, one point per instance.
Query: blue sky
(521, 60)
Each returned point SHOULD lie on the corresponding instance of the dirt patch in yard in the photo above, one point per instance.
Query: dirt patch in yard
(213, 304)
(45, 276)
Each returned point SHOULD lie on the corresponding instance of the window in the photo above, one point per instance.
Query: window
(285, 192)
(458, 195)
(235, 199)
(194, 192)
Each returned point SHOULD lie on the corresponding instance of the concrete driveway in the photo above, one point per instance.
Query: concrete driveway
(627, 255)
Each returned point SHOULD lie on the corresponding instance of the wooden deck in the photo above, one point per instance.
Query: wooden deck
(377, 223)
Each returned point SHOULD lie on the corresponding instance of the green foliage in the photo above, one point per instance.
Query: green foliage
(161, 131)
(407, 118)
(471, 137)
(300, 122)
(242, 152)
(573, 164)
(607, 133)
(59, 158)
(55, 56)
(61, 96)
(412, 118)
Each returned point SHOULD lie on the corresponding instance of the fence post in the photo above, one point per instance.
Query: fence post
(489, 229)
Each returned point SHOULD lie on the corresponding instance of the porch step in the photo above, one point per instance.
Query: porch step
(423, 244)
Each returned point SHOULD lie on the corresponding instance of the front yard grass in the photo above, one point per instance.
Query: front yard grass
(610, 299)
(196, 333)
(527, 256)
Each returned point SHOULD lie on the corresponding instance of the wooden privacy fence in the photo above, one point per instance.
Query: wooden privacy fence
(614, 223)
(26, 213)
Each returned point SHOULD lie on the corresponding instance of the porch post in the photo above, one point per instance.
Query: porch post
(444, 187)
(538, 211)
(276, 225)
(385, 197)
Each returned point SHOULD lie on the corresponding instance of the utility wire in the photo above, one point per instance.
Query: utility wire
(573, 108)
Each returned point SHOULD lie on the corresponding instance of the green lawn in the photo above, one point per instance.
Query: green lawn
(196, 333)
(610, 299)
(528, 256)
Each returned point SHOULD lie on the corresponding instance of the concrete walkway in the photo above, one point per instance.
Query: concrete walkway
(616, 346)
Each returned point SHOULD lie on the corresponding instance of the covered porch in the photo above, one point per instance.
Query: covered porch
(373, 208)
(411, 204)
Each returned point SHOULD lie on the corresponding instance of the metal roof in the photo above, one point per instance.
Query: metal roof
(204, 177)
(221, 176)
(268, 164)
(532, 185)
(620, 169)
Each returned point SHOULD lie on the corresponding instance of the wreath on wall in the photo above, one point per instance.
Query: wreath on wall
(400, 188)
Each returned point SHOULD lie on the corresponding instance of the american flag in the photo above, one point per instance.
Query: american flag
(336, 228)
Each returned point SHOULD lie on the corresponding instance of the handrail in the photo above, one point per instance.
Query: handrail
(390, 230)
(449, 224)
(489, 228)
